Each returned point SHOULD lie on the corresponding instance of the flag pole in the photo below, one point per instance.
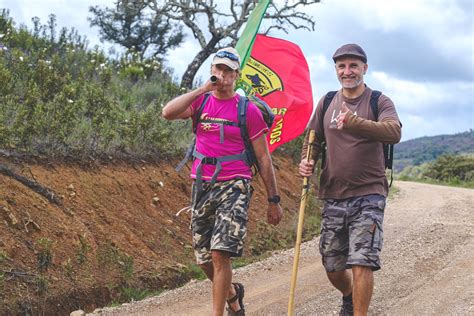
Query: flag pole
(304, 195)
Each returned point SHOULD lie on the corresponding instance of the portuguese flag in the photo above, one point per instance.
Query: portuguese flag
(277, 72)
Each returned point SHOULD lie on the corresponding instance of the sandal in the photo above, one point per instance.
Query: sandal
(239, 289)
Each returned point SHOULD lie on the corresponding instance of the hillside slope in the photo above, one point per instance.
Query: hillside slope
(417, 151)
(116, 230)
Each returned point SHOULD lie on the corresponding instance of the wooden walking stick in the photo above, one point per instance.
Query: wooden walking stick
(299, 233)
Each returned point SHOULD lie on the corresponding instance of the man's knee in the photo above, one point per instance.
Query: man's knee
(337, 275)
(220, 258)
(361, 271)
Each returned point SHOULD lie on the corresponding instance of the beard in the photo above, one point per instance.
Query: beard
(352, 83)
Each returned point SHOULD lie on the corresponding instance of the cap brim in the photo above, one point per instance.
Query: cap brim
(362, 58)
(232, 64)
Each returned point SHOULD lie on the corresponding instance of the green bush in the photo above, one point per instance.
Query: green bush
(58, 98)
(456, 170)
(451, 168)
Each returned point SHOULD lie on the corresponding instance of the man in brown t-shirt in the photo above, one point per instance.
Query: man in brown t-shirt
(353, 184)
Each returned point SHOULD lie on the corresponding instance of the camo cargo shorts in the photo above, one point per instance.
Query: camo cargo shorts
(219, 218)
(351, 232)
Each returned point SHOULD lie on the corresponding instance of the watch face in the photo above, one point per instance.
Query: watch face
(274, 199)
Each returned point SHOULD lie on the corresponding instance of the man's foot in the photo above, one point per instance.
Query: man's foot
(347, 308)
(239, 289)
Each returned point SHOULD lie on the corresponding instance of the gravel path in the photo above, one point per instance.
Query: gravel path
(428, 267)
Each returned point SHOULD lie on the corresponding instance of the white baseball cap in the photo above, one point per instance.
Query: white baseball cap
(227, 56)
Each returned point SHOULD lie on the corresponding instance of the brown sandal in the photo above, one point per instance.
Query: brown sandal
(239, 289)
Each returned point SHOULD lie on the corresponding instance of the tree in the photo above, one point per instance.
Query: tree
(132, 25)
(223, 26)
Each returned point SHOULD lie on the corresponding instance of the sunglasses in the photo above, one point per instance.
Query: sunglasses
(227, 55)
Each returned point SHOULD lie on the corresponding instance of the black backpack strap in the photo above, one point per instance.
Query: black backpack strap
(327, 101)
(387, 148)
(374, 103)
(242, 112)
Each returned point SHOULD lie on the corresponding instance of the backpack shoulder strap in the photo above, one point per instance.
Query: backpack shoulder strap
(199, 111)
(374, 103)
(327, 101)
(249, 155)
(242, 113)
(387, 148)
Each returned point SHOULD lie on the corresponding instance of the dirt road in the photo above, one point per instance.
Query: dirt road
(428, 266)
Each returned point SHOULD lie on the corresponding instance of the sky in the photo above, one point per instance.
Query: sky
(420, 52)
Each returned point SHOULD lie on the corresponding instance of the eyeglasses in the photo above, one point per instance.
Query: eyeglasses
(224, 54)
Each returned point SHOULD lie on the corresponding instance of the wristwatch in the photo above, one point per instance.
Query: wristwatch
(274, 199)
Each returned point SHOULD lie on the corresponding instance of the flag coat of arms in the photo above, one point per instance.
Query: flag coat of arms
(277, 72)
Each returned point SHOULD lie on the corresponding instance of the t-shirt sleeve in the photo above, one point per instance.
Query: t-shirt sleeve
(196, 103)
(195, 106)
(256, 125)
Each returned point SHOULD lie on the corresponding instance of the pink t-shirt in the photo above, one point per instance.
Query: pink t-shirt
(208, 136)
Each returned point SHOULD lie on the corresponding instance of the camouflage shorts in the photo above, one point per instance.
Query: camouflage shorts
(219, 218)
(351, 232)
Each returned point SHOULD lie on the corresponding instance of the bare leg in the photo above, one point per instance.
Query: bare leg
(208, 269)
(363, 288)
(342, 280)
(219, 271)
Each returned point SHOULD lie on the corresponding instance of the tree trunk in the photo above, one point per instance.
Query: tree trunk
(188, 76)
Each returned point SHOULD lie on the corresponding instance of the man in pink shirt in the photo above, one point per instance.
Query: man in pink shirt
(222, 187)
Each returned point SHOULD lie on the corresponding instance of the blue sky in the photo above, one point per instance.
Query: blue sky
(420, 52)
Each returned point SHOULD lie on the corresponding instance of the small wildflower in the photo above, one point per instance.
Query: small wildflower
(21, 58)
(70, 101)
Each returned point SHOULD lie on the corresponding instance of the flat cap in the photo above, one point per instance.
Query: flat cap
(353, 50)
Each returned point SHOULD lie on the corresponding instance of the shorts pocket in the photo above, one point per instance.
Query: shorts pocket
(377, 235)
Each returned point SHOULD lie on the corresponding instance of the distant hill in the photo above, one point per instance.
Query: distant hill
(419, 150)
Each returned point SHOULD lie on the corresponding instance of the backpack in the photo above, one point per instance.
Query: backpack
(387, 148)
(248, 155)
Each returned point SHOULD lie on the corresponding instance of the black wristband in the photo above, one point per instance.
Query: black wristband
(274, 199)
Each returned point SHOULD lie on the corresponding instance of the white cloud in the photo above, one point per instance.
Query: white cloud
(420, 52)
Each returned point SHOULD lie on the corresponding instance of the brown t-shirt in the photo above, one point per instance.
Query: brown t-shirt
(354, 158)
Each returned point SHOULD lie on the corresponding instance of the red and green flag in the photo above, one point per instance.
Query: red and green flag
(277, 72)
(246, 40)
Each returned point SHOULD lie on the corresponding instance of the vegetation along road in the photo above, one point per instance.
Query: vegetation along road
(428, 266)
